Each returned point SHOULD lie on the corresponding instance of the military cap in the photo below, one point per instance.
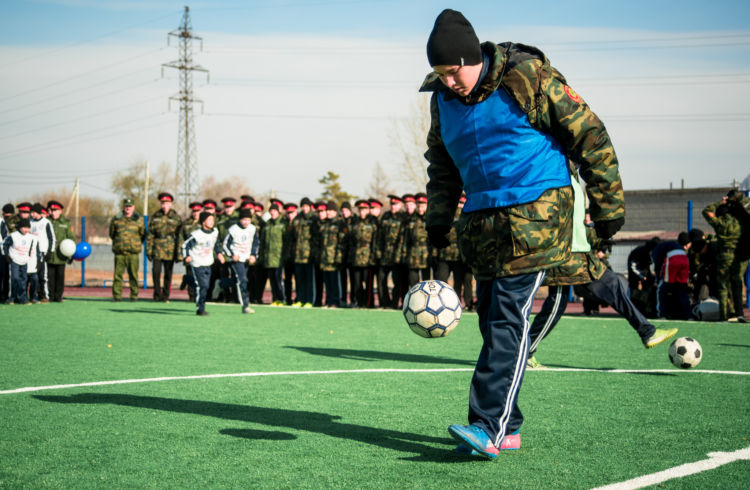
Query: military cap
(395, 198)
(54, 205)
(209, 203)
(228, 201)
(305, 200)
(409, 198)
(259, 206)
(246, 197)
(37, 208)
(421, 197)
(128, 202)
(24, 223)
(9, 209)
(248, 204)
(274, 207)
(290, 206)
(24, 207)
(321, 206)
(331, 205)
(346, 205)
(166, 196)
(362, 204)
(45, 212)
(196, 206)
(246, 213)
(374, 203)
(277, 201)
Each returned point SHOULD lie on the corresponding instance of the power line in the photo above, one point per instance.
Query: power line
(82, 118)
(120, 62)
(88, 40)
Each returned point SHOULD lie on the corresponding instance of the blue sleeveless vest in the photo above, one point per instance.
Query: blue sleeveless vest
(502, 159)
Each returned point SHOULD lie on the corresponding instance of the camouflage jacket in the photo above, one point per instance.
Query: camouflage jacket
(63, 230)
(582, 268)
(188, 226)
(288, 253)
(306, 233)
(451, 253)
(416, 249)
(126, 233)
(225, 221)
(12, 221)
(332, 238)
(162, 235)
(727, 227)
(272, 243)
(389, 238)
(533, 236)
(361, 238)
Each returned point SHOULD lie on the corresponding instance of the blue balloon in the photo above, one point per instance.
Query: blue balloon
(83, 250)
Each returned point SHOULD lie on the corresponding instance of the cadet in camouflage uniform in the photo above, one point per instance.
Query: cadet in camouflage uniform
(162, 244)
(389, 233)
(518, 224)
(127, 232)
(8, 216)
(306, 236)
(320, 211)
(189, 225)
(732, 253)
(374, 275)
(416, 247)
(332, 237)
(346, 270)
(56, 261)
(449, 261)
(289, 253)
(259, 288)
(272, 253)
(362, 236)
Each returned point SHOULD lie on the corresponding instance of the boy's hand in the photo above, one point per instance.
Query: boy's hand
(221, 258)
(188, 259)
(251, 259)
(236, 258)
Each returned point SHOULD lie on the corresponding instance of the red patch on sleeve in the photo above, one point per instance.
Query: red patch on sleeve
(573, 95)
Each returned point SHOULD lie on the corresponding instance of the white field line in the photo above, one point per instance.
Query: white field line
(714, 461)
(348, 371)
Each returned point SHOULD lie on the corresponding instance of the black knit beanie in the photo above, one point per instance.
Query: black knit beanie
(203, 217)
(453, 41)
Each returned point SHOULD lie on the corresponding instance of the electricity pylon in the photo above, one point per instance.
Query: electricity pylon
(187, 158)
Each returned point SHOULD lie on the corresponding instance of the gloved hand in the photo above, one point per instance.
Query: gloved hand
(438, 235)
(606, 229)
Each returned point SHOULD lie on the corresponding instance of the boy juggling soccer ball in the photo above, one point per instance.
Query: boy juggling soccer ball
(241, 244)
(508, 130)
(199, 250)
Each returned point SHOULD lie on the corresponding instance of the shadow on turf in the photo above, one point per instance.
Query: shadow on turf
(604, 369)
(428, 449)
(158, 311)
(735, 345)
(373, 355)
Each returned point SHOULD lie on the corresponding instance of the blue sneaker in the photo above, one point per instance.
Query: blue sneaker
(511, 442)
(475, 438)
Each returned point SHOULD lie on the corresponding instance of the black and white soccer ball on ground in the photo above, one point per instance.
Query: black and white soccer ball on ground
(432, 309)
(685, 353)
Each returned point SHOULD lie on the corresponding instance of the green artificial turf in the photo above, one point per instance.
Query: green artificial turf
(348, 429)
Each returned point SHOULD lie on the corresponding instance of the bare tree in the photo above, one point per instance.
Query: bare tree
(131, 182)
(409, 141)
(380, 185)
(219, 189)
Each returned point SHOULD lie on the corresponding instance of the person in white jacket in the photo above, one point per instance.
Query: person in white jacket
(199, 249)
(241, 245)
(19, 248)
(42, 229)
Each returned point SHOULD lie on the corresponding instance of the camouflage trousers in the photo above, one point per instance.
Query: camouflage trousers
(124, 262)
(729, 274)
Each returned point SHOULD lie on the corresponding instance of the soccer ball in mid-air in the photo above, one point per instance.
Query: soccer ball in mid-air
(685, 353)
(432, 309)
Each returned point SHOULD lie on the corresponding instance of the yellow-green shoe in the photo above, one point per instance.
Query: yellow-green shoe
(532, 363)
(660, 335)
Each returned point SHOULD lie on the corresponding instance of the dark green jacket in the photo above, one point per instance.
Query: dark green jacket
(332, 239)
(63, 230)
(272, 243)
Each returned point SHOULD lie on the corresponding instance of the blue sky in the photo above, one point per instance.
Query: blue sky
(302, 87)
